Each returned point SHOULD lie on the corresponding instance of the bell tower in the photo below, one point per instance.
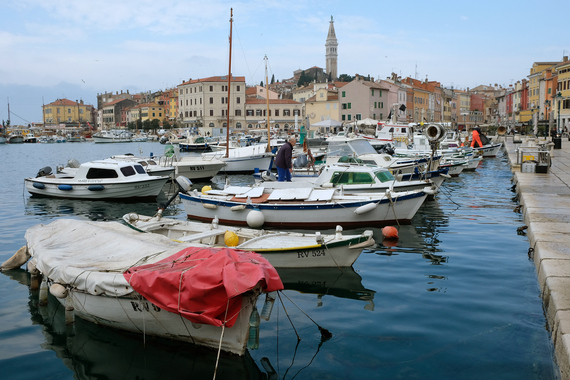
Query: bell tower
(331, 52)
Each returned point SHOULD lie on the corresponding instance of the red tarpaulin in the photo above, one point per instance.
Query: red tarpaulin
(199, 283)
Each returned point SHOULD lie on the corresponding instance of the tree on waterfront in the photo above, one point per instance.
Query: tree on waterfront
(146, 125)
(139, 124)
(272, 78)
(155, 124)
(345, 78)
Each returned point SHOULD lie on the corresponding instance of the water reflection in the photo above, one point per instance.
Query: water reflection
(337, 282)
(95, 352)
(94, 210)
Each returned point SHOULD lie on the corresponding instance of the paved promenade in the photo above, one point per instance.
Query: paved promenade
(545, 204)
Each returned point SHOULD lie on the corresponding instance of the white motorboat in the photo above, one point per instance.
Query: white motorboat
(150, 164)
(302, 208)
(111, 275)
(359, 178)
(107, 179)
(360, 150)
(244, 159)
(112, 136)
(282, 249)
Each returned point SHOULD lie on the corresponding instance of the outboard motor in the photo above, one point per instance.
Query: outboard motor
(44, 172)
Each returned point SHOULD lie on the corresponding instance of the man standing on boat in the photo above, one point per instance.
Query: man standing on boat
(476, 139)
(284, 162)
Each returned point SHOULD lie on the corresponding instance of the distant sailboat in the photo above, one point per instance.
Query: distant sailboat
(14, 137)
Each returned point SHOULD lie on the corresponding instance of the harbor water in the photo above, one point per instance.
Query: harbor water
(455, 298)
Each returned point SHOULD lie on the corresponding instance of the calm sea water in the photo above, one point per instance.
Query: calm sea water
(456, 298)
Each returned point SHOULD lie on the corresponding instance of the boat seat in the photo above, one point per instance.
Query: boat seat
(261, 199)
(201, 235)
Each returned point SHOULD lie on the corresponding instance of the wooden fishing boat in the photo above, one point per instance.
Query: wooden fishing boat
(282, 249)
(109, 274)
(296, 208)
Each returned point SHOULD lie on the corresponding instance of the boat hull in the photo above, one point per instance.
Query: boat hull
(307, 215)
(281, 249)
(195, 170)
(96, 189)
(490, 150)
(138, 315)
(100, 140)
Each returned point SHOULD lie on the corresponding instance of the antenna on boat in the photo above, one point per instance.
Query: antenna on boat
(267, 96)
(229, 87)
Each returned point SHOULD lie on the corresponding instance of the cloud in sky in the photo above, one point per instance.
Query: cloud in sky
(76, 49)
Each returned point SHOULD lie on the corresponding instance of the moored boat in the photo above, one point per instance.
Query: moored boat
(106, 273)
(112, 136)
(107, 179)
(307, 208)
(281, 248)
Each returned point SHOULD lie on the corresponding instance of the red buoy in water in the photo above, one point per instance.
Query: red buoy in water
(390, 232)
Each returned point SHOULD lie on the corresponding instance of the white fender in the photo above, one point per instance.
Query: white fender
(58, 290)
(209, 206)
(255, 219)
(365, 208)
(237, 208)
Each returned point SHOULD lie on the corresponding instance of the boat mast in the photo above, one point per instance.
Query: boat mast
(267, 96)
(229, 86)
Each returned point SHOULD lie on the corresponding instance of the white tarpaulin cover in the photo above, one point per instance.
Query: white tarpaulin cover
(92, 256)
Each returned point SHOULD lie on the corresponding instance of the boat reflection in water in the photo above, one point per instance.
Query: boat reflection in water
(95, 210)
(337, 282)
(95, 352)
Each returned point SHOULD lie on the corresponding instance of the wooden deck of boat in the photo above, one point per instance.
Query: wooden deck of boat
(545, 204)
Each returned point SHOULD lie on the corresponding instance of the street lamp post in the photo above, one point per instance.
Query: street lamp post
(558, 98)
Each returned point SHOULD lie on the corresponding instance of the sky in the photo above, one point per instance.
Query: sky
(55, 49)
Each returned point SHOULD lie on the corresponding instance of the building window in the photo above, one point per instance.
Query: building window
(276, 112)
(343, 106)
(211, 125)
(344, 94)
(286, 112)
(211, 100)
(211, 88)
(248, 112)
(258, 113)
(296, 113)
(211, 112)
(237, 100)
(238, 125)
(238, 88)
(238, 112)
(349, 106)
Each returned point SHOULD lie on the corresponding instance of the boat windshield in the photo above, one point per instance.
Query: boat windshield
(384, 176)
(350, 178)
(350, 148)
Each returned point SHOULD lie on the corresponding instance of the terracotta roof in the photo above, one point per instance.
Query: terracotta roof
(214, 79)
(113, 102)
(64, 102)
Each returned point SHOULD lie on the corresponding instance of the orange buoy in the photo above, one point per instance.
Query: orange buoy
(390, 232)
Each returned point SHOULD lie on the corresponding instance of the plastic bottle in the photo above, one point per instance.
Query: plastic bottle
(254, 320)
